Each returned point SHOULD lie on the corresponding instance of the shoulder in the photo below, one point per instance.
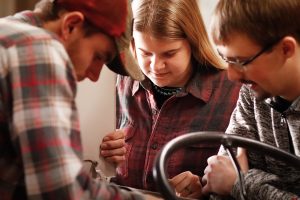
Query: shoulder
(124, 81)
(247, 102)
(125, 84)
(217, 78)
(14, 32)
(21, 39)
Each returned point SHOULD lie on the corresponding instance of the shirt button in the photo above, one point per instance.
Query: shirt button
(154, 146)
(154, 112)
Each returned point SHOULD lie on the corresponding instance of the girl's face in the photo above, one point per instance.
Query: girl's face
(166, 62)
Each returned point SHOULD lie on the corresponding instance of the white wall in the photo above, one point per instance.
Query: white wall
(206, 7)
(96, 105)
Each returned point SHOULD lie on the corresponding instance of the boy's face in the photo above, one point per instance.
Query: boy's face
(89, 54)
(266, 74)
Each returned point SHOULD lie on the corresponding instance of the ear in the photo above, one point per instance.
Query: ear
(132, 48)
(71, 24)
(289, 45)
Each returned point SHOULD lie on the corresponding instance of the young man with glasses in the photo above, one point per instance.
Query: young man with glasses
(259, 39)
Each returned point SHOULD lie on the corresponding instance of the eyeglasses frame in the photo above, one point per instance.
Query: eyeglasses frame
(252, 58)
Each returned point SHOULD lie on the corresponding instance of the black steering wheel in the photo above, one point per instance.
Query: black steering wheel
(228, 141)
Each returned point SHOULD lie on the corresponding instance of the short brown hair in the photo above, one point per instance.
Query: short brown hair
(263, 21)
(49, 11)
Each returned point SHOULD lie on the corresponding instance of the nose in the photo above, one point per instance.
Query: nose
(234, 74)
(156, 63)
(93, 72)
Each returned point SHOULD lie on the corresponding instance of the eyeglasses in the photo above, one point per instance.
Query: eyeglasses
(243, 63)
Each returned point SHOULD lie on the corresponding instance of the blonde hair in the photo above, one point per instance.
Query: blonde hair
(176, 19)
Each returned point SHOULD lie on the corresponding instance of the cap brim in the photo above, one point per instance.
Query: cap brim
(125, 64)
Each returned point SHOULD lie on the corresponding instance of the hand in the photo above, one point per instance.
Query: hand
(187, 184)
(242, 159)
(112, 147)
(220, 174)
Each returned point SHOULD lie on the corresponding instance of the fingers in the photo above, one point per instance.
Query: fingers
(113, 148)
(179, 178)
(212, 159)
(112, 144)
(243, 159)
(116, 135)
(187, 184)
(116, 156)
(206, 189)
(195, 188)
(219, 175)
(209, 171)
(113, 140)
(113, 152)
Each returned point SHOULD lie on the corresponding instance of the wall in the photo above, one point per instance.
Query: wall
(96, 104)
(206, 7)
(7, 7)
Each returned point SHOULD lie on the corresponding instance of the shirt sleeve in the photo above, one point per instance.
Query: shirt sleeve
(262, 185)
(45, 124)
(259, 184)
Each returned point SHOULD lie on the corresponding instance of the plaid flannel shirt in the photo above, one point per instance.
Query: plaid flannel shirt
(40, 145)
(205, 104)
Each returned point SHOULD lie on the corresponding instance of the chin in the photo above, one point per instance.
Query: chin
(261, 95)
(158, 83)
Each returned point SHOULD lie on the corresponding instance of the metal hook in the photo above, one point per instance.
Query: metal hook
(93, 171)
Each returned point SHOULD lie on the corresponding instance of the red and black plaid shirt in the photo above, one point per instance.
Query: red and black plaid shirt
(206, 103)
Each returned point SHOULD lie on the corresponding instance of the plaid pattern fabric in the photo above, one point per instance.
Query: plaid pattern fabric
(204, 105)
(40, 145)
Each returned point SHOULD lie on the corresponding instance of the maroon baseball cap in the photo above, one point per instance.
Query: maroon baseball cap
(114, 18)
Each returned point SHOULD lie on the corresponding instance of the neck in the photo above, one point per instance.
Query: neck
(291, 77)
(166, 91)
(291, 89)
(53, 26)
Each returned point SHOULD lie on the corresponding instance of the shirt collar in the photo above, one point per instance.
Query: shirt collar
(28, 17)
(200, 85)
(296, 105)
(145, 84)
